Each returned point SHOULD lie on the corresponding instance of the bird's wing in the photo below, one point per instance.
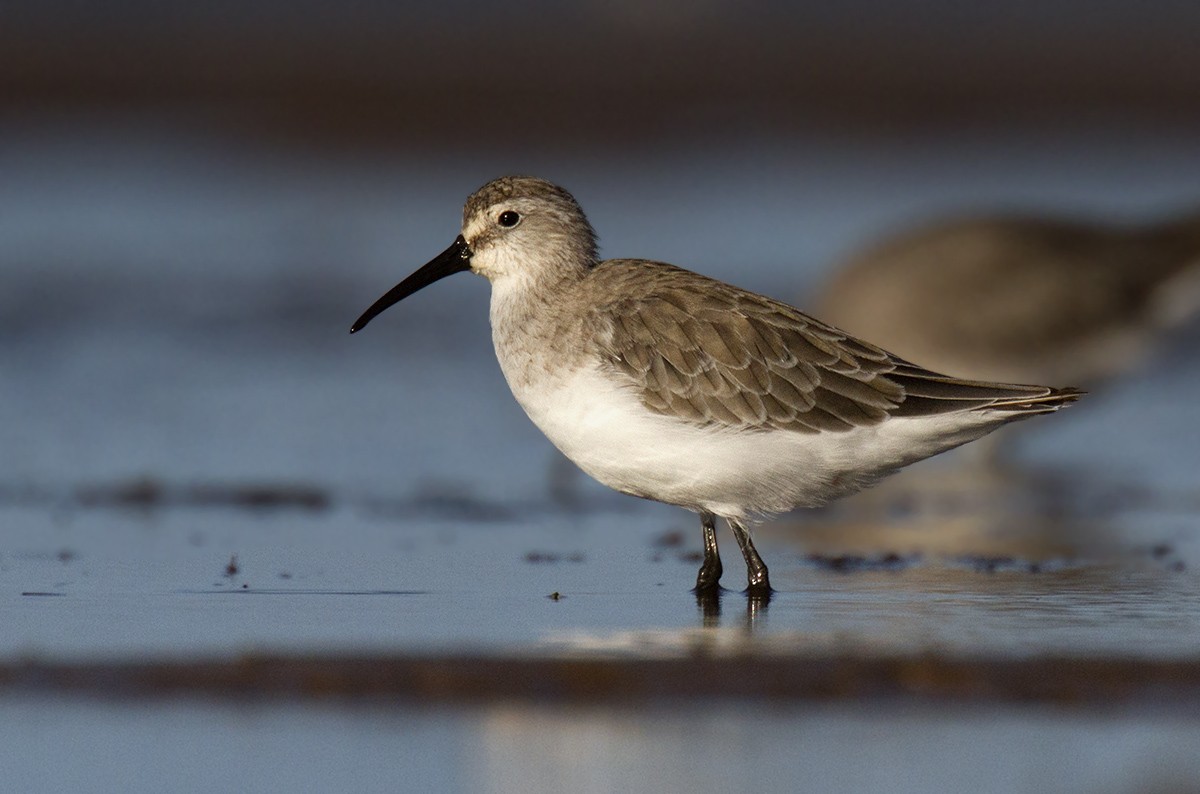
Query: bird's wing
(714, 354)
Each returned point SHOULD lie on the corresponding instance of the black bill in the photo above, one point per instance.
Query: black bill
(454, 259)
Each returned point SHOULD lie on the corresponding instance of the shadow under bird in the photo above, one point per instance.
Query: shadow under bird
(668, 385)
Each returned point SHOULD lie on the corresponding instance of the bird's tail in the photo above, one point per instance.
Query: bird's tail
(1049, 402)
(928, 393)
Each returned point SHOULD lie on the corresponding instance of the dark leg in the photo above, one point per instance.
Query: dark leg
(709, 577)
(756, 570)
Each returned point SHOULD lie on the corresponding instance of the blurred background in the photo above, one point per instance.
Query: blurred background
(197, 199)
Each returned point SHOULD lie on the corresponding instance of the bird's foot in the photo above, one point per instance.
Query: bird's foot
(760, 591)
(708, 579)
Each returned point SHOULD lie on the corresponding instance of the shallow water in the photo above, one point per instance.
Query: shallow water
(113, 582)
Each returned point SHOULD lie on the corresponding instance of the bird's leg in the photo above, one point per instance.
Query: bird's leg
(756, 570)
(709, 577)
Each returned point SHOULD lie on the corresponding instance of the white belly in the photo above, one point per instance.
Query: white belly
(604, 428)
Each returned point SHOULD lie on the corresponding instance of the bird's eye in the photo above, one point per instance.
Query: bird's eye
(509, 219)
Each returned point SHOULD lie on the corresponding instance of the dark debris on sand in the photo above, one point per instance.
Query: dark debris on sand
(549, 557)
(146, 493)
(853, 563)
(1078, 682)
(996, 563)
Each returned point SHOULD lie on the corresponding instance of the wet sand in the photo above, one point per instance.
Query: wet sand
(770, 673)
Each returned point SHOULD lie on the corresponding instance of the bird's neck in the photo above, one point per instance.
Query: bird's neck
(532, 316)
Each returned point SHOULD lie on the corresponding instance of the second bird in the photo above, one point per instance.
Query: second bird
(668, 385)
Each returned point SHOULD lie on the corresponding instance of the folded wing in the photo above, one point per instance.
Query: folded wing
(713, 354)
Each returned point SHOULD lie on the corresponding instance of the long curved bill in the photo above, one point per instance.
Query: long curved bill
(454, 259)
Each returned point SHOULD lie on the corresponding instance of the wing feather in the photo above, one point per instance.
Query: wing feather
(715, 355)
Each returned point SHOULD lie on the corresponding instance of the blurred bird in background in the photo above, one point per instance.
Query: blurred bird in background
(1022, 299)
